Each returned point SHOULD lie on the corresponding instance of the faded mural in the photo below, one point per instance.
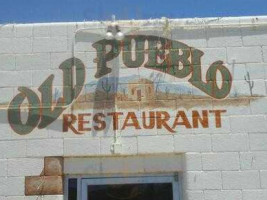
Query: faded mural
(141, 82)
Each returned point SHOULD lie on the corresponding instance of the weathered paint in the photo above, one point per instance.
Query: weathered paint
(41, 109)
(122, 113)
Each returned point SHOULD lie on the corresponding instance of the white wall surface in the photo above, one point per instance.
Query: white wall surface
(227, 163)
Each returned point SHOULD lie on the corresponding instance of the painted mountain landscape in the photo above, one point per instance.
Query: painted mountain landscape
(134, 92)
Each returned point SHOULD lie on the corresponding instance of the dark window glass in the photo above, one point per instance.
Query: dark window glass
(150, 191)
(72, 189)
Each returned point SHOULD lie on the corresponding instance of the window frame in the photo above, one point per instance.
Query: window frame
(83, 181)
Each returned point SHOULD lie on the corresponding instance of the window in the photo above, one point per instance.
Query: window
(124, 188)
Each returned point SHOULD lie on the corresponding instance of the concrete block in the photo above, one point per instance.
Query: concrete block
(192, 162)
(53, 44)
(23, 61)
(258, 142)
(141, 164)
(224, 36)
(40, 61)
(25, 166)
(41, 45)
(7, 62)
(244, 54)
(164, 163)
(254, 36)
(7, 95)
(129, 145)
(13, 149)
(263, 175)
(259, 89)
(234, 107)
(59, 29)
(254, 194)
(7, 45)
(24, 30)
(71, 29)
(58, 58)
(249, 123)
(264, 52)
(124, 165)
(5, 132)
(33, 197)
(238, 71)
(41, 30)
(3, 167)
(129, 131)
(3, 186)
(155, 144)
(192, 143)
(53, 166)
(39, 76)
(88, 59)
(81, 44)
(15, 198)
(212, 55)
(253, 160)
(195, 37)
(241, 180)
(202, 180)
(53, 197)
(256, 70)
(233, 36)
(22, 79)
(44, 185)
(82, 165)
(7, 31)
(59, 44)
(223, 194)
(220, 161)
(213, 128)
(193, 195)
(215, 37)
(12, 186)
(23, 45)
(234, 142)
(36, 133)
(240, 88)
(258, 106)
(44, 147)
(81, 147)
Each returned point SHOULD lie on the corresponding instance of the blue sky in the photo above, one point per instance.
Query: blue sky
(27, 11)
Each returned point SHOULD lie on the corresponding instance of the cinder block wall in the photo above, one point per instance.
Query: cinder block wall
(227, 163)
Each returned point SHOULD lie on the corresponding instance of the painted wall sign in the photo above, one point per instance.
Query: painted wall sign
(153, 53)
(80, 123)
